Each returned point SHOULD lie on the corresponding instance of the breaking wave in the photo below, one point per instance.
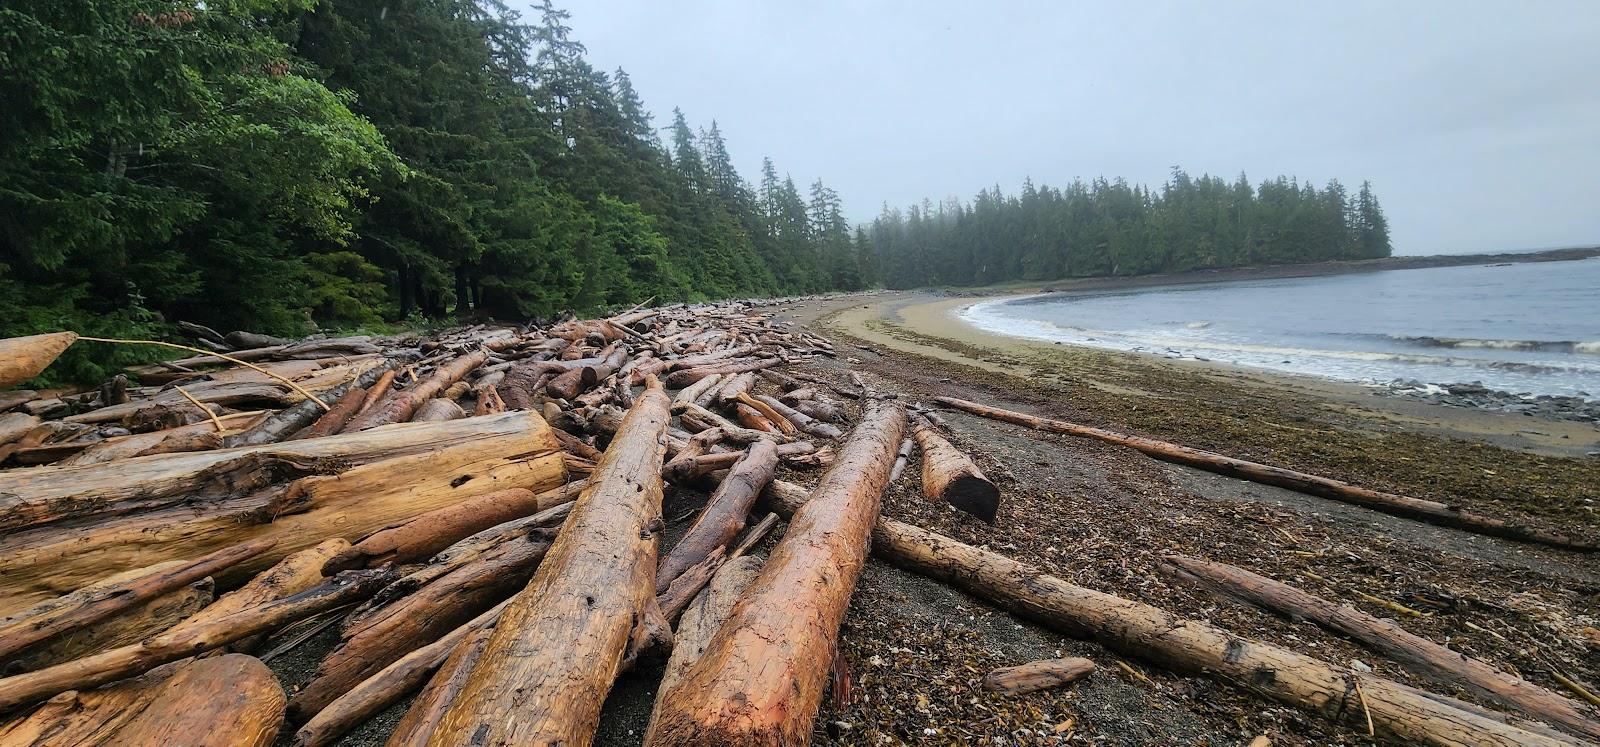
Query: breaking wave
(1549, 346)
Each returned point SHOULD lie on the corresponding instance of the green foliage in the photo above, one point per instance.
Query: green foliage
(1113, 228)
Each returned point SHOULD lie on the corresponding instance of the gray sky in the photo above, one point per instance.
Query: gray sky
(1478, 123)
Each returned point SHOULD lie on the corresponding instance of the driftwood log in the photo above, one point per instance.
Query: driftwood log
(1432, 512)
(299, 493)
(1420, 655)
(1401, 713)
(701, 620)
(950, 476)
(399, 406)
(284, 423)
(1037, 675)
(724, 514)
(22, 358)
(559, 645)
(761, 678)
(420, 537)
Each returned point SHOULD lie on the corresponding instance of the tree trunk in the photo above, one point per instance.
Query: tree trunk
(338, 414)
(724, 514)
(292, 575)
(685, 468)
(1037, 675)
(704, 615)
(761, 678)
(22, 358)
(1438, 663)
(559, 645)
(382, 636)
(281, 424)
(950, 476)
(163, 507)
(1398, 712)
(226, 701)
(141, 657)
(437, 410)
(76, 611)
(420, 538)
(401, 405)
(391, 684)
(801, 420)
(687, 376)
(1432, 512)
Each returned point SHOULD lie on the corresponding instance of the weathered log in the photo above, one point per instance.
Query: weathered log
(290, 576)
(801, 420)
(379, 389)
(577, 446)
(950, 476)
(200, 436)
(438, 409)
(25, 630)
(162, 507)
(128, 626)
(15, 425)
(430, 706)
(392, 683)
(820, 409)
(380, 637)
(704, 615)
(426, 534)
(697, 418)
(1037, 675)
(573, 382)
(1432, 512)
(752, 418)
(685, 468)
(1438, 663)
(902, 457)
(783, 381)
(730, 390)
(222, 700)
(22, 358)
(282, 424)
(127, 661)
(783, 424)
(693, 392)
(724, 514)
(561, 642)
(761, 678)
(687, 376)
(1398, 712)
(399, 407)
(226, 701)
(338, 414)
(488, 400)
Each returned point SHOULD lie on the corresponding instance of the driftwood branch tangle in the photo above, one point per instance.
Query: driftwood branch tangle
(1400, 713)
(761, 678)
(559, 645)
(1420, 509)
(1440, 664)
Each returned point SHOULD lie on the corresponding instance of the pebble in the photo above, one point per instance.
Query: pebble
(1475, 395)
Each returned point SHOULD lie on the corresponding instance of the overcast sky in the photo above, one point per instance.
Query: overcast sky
(1478, 123)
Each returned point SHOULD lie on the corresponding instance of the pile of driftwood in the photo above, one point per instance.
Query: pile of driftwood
(479, 512)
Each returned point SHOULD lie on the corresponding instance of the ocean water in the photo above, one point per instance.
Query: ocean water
(1523, 328)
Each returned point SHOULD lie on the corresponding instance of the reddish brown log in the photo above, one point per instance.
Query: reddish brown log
(761, 679)
(701, 619)
(1037, 675)
(382, 636)
(226, 701)
(752, 418)
(559, 645)
(772, 416)
(430, 706)
(1438, 663)
(573, 382)
(725, 513)
(399, 407)
(576, 446)
(25, 630)
(731, 389)
(127, 661)
(682, 469)
(489, 401)
(1428, 511)
(22, 358)
(420, 538)
(378, 390)
(687, 376)
(391, 684)
(1401, 713)
(950, 476)
(801, 420)
(334, 419)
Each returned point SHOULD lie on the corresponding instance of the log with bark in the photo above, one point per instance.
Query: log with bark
(426, 534)
(1037, 675)
(338, 414)
(1438, 663)
(724, 514)
(141, 657)
(298, 493)
(1398, 712)
(950, 476)
(22, 358)
(1432, 512)
(559, 645)
(280, 425)
(761, 678)
(400, 406)
(435, 410)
